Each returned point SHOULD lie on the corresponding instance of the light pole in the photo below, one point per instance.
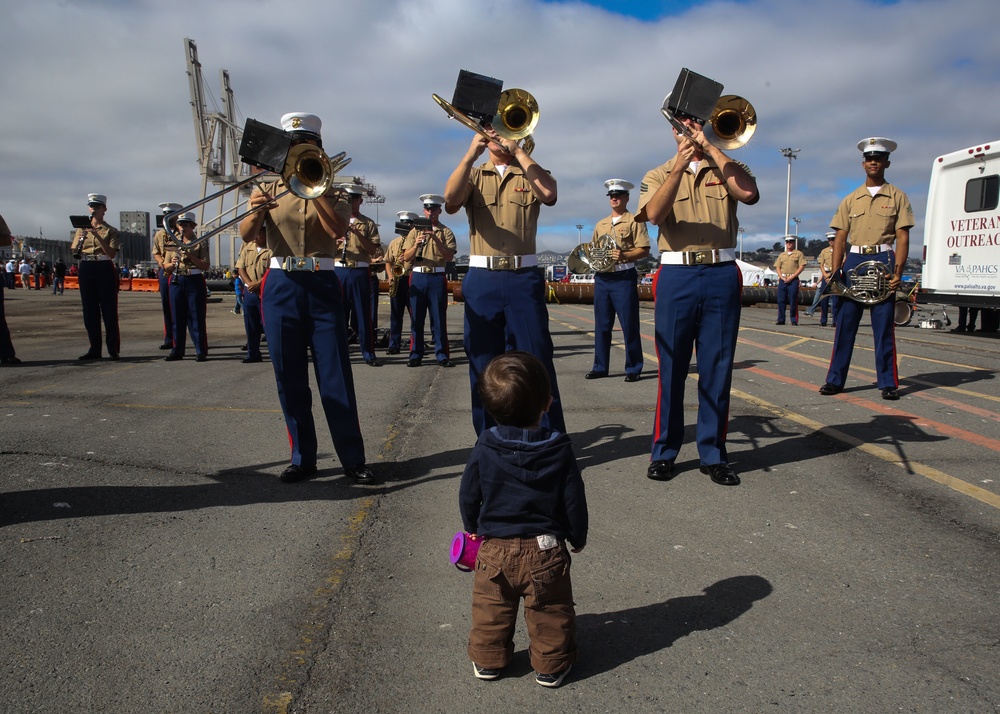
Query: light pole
(579, 233)
(788, 154)
(797, 221)
(742, 230)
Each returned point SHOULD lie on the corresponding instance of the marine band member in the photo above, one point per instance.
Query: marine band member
(163, 254)
(188, 295)
(616, 291)
(304, 309)
(96, 247)
(692, 199)
(428, 252)
(399, 302)
(872, 223)
(504, 289)
(358, 248)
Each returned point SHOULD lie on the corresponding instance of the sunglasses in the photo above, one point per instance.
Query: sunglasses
(617, 194)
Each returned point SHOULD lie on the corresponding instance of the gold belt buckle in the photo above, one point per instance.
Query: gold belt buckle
(293, 263)
(869, 250)
(697, 257)
(504, 262)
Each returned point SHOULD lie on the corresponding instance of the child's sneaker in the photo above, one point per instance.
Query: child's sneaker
(552, 680)
(485, 672)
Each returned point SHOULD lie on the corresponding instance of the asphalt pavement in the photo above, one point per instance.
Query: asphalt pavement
(153, 562)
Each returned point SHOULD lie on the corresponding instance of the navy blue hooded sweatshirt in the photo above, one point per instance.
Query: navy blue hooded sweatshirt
(523, 482)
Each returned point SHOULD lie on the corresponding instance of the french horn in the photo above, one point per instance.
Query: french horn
(867, 283)
(594, 257)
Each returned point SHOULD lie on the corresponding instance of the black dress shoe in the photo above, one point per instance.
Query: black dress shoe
(722, 474)
(201, 358)
(890, 393)
(89, 356)
(167, 346)
(446, 363)
(360, 473)
(661, 470)
(373, 362)
(595, 375)
(631, 377)
(251, 360)
(244, 347)
(828, 389)
(172, 357)
(780, 322)
(114, 356)
(9, 360)
(392, 351)
(297, 473)
(414, 362)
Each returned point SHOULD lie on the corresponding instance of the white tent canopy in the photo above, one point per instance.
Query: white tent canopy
(752, 275)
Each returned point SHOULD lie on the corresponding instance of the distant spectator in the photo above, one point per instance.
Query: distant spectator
(6, 346)
(59, 282)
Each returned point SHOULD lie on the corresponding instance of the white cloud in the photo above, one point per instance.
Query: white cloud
(96, 97)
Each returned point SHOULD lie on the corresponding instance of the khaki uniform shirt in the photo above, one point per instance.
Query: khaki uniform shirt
(163, 246)
(394, 255)
(369, 229)
(627, 232)
(787, 263)
(502, 211)
(294, 228)
(200, 251)
(703, 215)
(873, 220)
(826, 259)
(254, 261)
(431, 256)
(90, 245)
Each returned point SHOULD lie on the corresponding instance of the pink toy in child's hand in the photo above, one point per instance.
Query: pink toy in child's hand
(464, 548)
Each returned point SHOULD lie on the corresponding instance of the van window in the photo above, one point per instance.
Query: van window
(982, 194)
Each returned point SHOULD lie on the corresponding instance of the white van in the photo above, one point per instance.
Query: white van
(962, 229)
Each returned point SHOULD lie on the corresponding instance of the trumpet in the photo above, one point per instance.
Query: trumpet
(515, 119)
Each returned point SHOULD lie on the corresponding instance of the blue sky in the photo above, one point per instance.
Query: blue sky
(650, 10)
(114, 116)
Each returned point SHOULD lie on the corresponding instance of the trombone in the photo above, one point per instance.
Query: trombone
(307, 172)
(733, 122)
(515, 119)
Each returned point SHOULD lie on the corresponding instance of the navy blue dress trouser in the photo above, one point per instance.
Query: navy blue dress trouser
(616, 293)
(883, 330)
(506, 308)
(303, 311)
(98, 282)
(429, 294)
(697, 308)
